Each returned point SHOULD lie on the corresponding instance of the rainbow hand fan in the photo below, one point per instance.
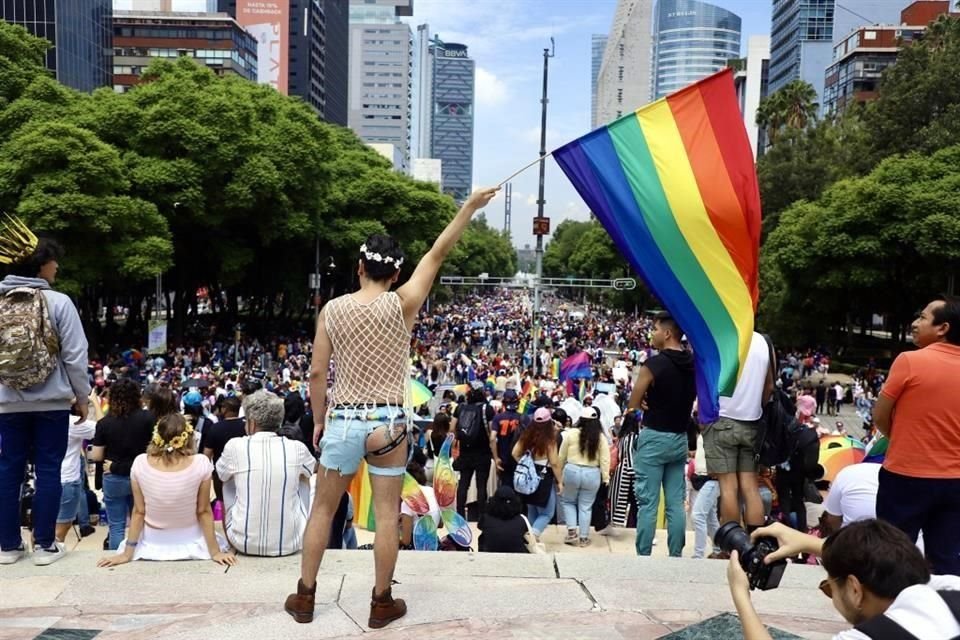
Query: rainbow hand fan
(445, 489)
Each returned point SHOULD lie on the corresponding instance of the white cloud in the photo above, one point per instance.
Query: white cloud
(490, 90)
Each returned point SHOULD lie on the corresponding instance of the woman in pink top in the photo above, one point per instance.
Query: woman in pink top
(172, 519)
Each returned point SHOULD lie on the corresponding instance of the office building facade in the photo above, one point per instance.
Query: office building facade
(623, 84)
(213, 39)
(381, 71)
(80, 32)
(861, 57)
(800, 42)
(598, 43)
(691, 41)
(450, 124)
(303, 49)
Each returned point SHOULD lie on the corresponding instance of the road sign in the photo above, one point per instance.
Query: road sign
(624, 284)
(314, 281)
(541, 226)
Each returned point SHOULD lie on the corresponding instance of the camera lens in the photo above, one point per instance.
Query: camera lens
(731, 536)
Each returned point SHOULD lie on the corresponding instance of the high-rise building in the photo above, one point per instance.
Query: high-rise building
(861, 57)
(213, 39)
(422, 88)
(751, 82)
(691, 40)
(447, 96)
(624, 81)
(803, 33)
(800, 41)
(381, 70)
(80, 32)
(597, 45)
(302, 49)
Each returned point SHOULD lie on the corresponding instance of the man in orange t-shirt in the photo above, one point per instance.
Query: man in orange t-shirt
(919, 410)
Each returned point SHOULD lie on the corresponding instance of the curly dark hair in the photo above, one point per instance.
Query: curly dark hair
(124, 397)
(47, 250)
(538, 438)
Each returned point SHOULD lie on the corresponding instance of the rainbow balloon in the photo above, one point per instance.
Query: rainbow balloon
(674, 185)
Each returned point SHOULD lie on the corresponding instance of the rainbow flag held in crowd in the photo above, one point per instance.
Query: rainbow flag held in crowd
(576, 367)
(555, 369)
(674, 185)
(527, 395)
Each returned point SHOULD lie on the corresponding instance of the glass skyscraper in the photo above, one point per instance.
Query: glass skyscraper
(691, 41)
(598, 46)
(451, 120)
(800, 41)
(81, 32)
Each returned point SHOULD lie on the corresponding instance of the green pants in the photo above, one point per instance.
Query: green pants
(659, 460)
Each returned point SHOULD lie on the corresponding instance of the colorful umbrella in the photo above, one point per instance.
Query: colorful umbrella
(838, 452)
(461, 389)
(419, 394)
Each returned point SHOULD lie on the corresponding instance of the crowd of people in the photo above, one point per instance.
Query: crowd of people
(588, 432)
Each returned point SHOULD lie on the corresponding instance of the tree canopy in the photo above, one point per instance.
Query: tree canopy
(213, 183)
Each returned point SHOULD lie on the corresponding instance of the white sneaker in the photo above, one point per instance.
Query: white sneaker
(42, 557)
(9, 557)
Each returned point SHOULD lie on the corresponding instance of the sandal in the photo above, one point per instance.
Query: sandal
(571, 538)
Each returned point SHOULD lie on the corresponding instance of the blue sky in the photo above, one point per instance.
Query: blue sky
(506, 38)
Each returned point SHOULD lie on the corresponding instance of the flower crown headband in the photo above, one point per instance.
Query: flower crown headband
(176, 442)
(376, 257)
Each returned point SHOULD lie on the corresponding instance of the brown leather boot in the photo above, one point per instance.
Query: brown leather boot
(384, 609)
(300, 604)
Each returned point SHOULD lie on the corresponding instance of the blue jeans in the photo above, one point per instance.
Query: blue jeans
(45, 433)
(659, 459)
(704, 516)
(118, 501)
(580, 486)
(540, 517)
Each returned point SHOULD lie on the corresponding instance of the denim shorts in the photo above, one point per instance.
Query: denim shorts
(344, 442)
(69, 501)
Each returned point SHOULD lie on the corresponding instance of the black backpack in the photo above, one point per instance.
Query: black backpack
(471, 427)
(883, 628)
(780, 437)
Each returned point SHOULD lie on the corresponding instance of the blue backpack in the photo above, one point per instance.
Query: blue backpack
(526, 478)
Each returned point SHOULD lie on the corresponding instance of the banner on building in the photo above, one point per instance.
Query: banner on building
(268, 21)
(157, 341)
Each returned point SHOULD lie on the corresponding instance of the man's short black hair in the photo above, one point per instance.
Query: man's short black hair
(881, 556)
(949, 312)
(47, 250)
(664, 318)
(230, 405)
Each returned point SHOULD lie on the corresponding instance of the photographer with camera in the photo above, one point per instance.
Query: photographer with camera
(876, 577)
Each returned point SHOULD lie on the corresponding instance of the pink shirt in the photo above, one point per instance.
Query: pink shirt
(170, 497)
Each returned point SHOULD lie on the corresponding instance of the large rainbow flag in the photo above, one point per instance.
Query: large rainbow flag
(674, 185)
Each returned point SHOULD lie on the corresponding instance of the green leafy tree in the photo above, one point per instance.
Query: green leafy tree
(883, 243)
(21, 61)
(918, 104)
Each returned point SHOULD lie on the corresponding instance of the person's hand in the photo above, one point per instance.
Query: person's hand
(317, 433)
(560, 487)
(223, 558)
(481, 197)
(80, 408)
(792, 542)
(499, 465)
(114, 560)
(106, 467)
(736, 576)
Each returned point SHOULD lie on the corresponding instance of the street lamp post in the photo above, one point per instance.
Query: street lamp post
(547, 54)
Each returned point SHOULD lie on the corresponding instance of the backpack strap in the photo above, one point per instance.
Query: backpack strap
(883, 628)
(952, 598)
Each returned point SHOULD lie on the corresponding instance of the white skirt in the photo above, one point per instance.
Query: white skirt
(187, 543)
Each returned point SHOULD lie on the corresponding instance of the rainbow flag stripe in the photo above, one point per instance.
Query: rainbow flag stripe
(674, 185)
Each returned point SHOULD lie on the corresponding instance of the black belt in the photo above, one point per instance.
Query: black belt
(354, 407)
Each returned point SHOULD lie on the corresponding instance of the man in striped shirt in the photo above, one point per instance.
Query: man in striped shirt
(265, 483)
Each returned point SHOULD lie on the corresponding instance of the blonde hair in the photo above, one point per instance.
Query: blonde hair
(172, 438)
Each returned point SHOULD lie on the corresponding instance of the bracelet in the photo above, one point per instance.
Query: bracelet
(132, 544)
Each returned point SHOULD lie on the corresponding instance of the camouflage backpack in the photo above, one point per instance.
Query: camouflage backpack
(28, 341)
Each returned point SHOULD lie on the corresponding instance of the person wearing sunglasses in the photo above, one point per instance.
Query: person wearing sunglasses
(877, 580)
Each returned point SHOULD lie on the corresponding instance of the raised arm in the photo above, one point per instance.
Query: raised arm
(417, 288)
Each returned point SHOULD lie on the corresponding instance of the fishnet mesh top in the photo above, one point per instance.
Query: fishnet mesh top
(371, 350)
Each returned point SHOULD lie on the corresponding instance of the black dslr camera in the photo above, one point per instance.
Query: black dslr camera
(731, 536)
